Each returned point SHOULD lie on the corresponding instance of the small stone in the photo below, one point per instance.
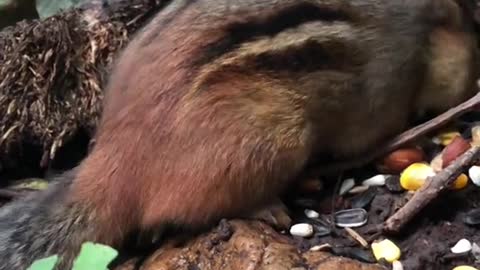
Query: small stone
(413, 177)
(362, 200)
(377, 180)
(358, 189)
(346, 186)
(387, 250)
(460, 182)
(397, 265)
(464, 267)
(462, 246)
(311, 213)
(474, 173)
(302, 230)
(351, 218)
(392, 183)
(472, 217)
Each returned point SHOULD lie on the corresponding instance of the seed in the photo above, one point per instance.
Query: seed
(351, 218)
(362, 200)
(377, 180)
(393, 184)
(456, 148)
(476, 135)
(386, 249)
(358, 189)
(398, 160)
(302, 230)
(462, 246)
(474, 173)
(413, 177)
(476, 251)
(397, 265)
(346, 186)
(320, 247)
(464, 267)
(311, 213)
(460, 182)
(320, 228)
(446, 138)
(472, 217)
(437, 163)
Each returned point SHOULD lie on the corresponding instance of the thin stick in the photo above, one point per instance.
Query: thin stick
(431, 190)
(404, 138)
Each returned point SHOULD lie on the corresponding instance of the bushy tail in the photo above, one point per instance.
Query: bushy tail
(44, 224)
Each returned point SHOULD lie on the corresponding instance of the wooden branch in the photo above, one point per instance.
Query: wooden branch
(431, 190)
(402, 139)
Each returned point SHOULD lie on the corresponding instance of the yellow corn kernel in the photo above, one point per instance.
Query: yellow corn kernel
(460, 182)
(414, 176)
(386, 249)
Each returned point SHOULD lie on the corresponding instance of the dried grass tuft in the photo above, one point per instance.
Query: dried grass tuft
(52, 72)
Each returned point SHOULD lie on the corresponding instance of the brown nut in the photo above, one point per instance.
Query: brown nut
(456, 148)
(398, 160)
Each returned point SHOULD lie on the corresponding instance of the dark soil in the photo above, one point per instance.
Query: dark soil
(425, 242)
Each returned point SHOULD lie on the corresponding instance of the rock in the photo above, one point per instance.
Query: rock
(252, 246)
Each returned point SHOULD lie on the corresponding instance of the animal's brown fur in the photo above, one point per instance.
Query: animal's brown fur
(215, 107)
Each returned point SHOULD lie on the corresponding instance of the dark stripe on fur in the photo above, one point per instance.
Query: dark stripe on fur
(289, 17)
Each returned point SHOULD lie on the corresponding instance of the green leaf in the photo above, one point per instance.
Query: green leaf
(94, 257)
(44, 264)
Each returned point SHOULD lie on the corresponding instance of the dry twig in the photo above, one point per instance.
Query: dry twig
(431, 190)
(402, 139)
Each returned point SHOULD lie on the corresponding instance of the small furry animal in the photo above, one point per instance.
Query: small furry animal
(216, 106)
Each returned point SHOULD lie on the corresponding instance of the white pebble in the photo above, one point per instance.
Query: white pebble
(311, 213)
(302, 230)
(474, 173)
(462, 246)
(397, 265)
(346, 185)
(377, 180)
